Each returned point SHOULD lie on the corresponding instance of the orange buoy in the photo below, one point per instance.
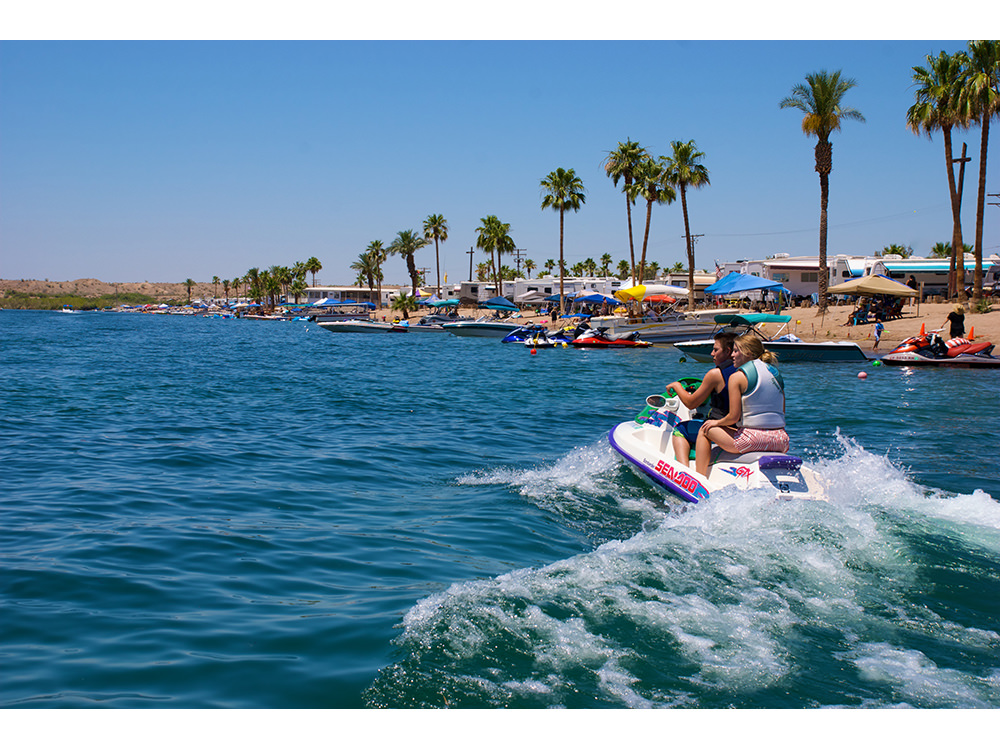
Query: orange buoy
(922, 330)
(972, 333)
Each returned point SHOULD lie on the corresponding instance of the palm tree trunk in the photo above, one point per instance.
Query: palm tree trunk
(689, 248)
(437, 262)
(631, 244)
(411, 267)
(977, 279)
(562, 299)
(645, 240)
(957, 246)
(823, 276)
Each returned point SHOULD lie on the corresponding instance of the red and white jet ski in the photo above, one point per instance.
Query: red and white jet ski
(931, 349)
(599, 339)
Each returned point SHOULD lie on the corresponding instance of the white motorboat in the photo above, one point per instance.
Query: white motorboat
(789, 347)
(361, 326)
(483, 327)
(646, 442)
(669, 327)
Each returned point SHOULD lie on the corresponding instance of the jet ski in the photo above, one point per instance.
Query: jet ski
(591, 338)
(646, 442)
(932, 349)
(545, 339)
(522, 334)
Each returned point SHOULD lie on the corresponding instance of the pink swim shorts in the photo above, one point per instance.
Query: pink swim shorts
(749, 440)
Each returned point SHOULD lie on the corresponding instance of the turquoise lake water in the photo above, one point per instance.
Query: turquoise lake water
(201, 512)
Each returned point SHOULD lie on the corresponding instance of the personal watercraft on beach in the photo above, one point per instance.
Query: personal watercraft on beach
(931, 349)
(646, 442)
(600, 339)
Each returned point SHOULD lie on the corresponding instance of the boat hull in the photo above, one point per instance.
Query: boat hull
(787, 351)
(679, 327)
(360, 326)
(913, 359)
(481, 329)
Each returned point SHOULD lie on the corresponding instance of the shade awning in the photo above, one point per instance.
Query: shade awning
(738, 282)
(868, 286)
(642, 291)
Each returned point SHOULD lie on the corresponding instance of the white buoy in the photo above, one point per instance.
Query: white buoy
(862, 375)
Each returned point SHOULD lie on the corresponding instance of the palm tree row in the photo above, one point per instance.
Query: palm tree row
(958, 91)
(656, 180)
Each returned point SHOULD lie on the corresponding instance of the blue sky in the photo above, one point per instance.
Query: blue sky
(161, 160)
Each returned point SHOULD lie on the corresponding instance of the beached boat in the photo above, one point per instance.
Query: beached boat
(646, 442)
(789, 348)
(670, 326)
(483, 328)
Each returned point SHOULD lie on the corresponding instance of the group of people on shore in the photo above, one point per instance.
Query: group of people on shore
(747, 399)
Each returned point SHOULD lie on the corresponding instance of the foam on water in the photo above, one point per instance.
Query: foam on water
(721, 604)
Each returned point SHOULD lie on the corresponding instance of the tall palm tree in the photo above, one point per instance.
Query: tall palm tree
(406, 244)
(189, 283)
(936, 108)
(436, 228)
(529, 266)
(651, 184)
(378, 255)
(981, 91)
(621, 165)
(562, 190)
(215, 286)
(225, 289)
(494, 237)
(313, 266)
(549, 265)
(820, 98)
(685, 170)
(606, 264)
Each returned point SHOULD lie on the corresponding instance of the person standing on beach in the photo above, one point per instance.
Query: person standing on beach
(878, 333)
(956, 321)
(912, 283)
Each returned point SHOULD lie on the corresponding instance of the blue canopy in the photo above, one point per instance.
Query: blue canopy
(738, 282)
(596, 298)
(499, 303)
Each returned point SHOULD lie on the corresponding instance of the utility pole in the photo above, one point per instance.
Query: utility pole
(994, 195)
(471, 250)
(518, 253)
(958, 266)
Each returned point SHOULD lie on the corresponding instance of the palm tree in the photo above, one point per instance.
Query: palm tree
(189, 283)
(981, 90)
(820, 99)
(436, 228)
(215, 285)
(624, 269)
(225, 289)
(651, 183)
(936, 108)
(494, 237)
(550, 264)
(313, 266)
(529, 266)
(406, 244)
(684, 171)
(621, 165)
(367, 267)
(563, 190)
(405, 303)
(606, 264)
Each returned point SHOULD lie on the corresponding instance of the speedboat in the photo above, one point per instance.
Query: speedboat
(646, 443)
(361, 326)
(481, 327)
(601, 339)
(68, 309)
(788, 347)
(931, 349)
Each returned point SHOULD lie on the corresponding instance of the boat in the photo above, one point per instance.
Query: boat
(788, 347)
(645, 442)
(69, 309)
(481, 327)
(361, 326)
(434, 323)
(932, 350)
(601, 339)
(672, 325)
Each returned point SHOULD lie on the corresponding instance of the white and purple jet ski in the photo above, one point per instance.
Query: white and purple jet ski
(646, 443)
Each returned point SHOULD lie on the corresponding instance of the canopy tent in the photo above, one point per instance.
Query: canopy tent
(642, 291)
(867, 286)
(738, 282)
(750, 319)
(531, 297)
(499, 303)
(595, 299)
(443, 303)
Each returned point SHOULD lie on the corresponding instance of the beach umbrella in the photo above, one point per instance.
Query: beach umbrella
(641, 291)
(444, 303)
(660, 298)
(596, 299)
(867, 286)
